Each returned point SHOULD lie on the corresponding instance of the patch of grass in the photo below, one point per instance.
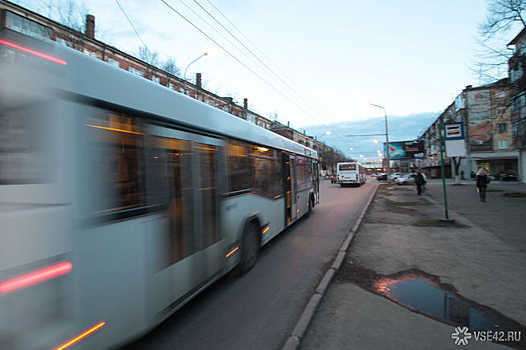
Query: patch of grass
(392, 204)
(437, 223)
(514, 195)
(493, 190)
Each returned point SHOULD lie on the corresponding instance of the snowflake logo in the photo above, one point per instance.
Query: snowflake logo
(461, 335)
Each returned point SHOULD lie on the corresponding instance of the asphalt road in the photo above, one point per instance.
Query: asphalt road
(259, 310)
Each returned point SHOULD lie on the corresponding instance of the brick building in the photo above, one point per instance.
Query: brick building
(19, 23)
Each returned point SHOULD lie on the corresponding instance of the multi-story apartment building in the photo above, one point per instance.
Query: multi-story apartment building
(516, 69)
(485, 112)
(19, 23)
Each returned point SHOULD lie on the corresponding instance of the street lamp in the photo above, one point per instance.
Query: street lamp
(386, 143)
(189, 64)
(327, 133)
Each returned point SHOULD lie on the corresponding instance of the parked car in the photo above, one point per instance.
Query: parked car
(381, 176)
(508, 177)
(393, 176)
(407, 179)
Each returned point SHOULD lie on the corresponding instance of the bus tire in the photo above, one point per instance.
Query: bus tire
(249, 248)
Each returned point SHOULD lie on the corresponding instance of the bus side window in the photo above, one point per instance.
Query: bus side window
(116, 141)
(240, 172)
(171, 186)
(208, 192)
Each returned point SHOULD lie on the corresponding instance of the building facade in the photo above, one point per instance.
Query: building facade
(19, 23)
(516, 70)
(488, 143)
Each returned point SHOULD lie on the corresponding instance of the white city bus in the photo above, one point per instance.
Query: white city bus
(351, 173)
(121, 199)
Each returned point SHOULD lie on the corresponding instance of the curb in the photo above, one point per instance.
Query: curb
(297, 334)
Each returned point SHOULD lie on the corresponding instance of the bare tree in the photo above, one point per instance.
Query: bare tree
(503, 15)
(169, 66)
(150, 57)
(505, 18)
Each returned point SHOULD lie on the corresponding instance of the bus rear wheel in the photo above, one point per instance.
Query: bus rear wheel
(249, 248)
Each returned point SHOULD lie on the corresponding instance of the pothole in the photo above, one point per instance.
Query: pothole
(425, 294)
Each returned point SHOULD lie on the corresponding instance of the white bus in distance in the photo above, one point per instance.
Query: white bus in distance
(350, 173)
(121, 199)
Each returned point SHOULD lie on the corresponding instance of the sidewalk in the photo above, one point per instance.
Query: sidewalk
(480, 261)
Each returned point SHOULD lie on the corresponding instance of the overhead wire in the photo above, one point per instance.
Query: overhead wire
(334, 126)
(129, 21)
(237, 59)
(292, 89)
(213, 28)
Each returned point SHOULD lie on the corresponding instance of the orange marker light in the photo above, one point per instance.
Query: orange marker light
(266, 230)
(232, 252)
(33, 52)
(81, 336)
(35, 277)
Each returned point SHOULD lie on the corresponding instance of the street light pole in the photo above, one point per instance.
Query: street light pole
(386, 143)
(189, 64)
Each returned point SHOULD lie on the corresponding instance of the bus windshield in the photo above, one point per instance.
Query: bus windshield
(347, 166)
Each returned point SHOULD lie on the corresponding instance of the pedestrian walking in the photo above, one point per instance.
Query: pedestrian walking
(482, 183)
(462, 175)
(420, 182)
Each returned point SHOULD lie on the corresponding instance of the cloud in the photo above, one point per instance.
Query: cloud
(400, 128)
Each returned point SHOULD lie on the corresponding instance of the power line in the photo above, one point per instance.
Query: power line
(237, 60)
(285, 84)
(135, 30)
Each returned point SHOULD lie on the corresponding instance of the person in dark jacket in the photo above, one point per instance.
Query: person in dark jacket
(482, 183)
(419, 182)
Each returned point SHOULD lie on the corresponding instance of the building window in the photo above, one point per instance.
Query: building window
(500, 111)
(225, 108)
(503, 127)
(90, 53)
(136, 71)
(156, 79)
(171, 86)
(113, 62)
(503, 144)
(27, 27)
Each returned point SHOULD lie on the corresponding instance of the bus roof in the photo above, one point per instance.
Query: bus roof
(95, 79)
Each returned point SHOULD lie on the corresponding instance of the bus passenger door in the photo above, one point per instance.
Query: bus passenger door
(291, 190)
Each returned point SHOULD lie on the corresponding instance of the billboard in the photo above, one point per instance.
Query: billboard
(414, 149)
(480, 126)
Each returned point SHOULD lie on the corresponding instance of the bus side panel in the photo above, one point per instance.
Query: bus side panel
(303, 202)
(268, 211)
(111, 265)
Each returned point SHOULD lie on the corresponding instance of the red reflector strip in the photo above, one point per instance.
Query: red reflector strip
(33, 52)
(35, 277)
(232, 252)
(81, 336)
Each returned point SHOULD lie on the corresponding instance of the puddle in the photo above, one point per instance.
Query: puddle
(423, 296)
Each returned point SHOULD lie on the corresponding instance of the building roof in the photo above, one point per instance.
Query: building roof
(518, 38)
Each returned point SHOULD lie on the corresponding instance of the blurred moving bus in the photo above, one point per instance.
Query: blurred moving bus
(121, 199)
(351, 173)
